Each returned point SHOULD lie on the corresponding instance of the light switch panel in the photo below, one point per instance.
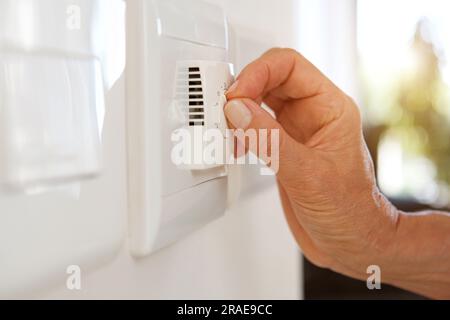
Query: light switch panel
(49, 120)
(51, 91)
(178, 72)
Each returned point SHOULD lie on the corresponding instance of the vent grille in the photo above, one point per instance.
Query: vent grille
(190, 95)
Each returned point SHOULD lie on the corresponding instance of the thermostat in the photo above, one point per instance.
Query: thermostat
(199, 100)
(178, 71)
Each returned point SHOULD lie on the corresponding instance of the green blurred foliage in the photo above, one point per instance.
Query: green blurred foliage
(420, 100)
(414, 105)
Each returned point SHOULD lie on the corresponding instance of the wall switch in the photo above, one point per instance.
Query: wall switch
(199, 99)
(177, 73)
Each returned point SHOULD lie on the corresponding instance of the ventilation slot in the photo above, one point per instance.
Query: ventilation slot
(196, 111)
(189, 94)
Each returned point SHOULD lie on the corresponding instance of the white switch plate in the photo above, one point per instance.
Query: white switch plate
(167, 202)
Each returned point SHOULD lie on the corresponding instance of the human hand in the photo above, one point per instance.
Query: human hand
(326, 177)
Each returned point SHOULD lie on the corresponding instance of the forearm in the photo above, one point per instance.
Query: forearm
(421, 254)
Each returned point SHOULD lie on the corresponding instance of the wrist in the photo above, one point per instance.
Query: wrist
(384, 229)
(419, 257)
(374, 235)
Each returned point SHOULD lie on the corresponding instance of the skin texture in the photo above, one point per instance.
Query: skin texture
(326, 179)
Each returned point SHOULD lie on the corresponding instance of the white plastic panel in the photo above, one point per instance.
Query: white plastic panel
(49, 118)
(195, 22)
(31, 24)
(166, 202)
(60, 205)
(67, 26)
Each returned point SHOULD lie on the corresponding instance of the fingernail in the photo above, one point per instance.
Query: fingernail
(233, 87)
(238, 114)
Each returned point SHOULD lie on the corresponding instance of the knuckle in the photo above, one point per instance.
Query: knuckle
(353, 107)
(282, 51)
(273, 50)
(291, 51)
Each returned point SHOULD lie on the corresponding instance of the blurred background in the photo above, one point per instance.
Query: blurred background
(405, 95)
(400, 77)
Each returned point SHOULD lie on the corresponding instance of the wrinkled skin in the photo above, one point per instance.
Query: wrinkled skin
(326, 179)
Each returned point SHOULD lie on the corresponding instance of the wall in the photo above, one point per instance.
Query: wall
(327, 37)
(250, 252)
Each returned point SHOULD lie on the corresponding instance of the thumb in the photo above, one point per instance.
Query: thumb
(262, 135)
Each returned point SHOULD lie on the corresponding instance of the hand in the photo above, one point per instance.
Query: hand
(326, 178)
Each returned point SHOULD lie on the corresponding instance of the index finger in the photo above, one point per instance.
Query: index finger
(283, 73)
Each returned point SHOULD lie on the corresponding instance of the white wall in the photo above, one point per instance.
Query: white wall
(249, 253)
(327, 37)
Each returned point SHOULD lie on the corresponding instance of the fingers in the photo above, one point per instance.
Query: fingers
(266, 138)
(284, 73)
